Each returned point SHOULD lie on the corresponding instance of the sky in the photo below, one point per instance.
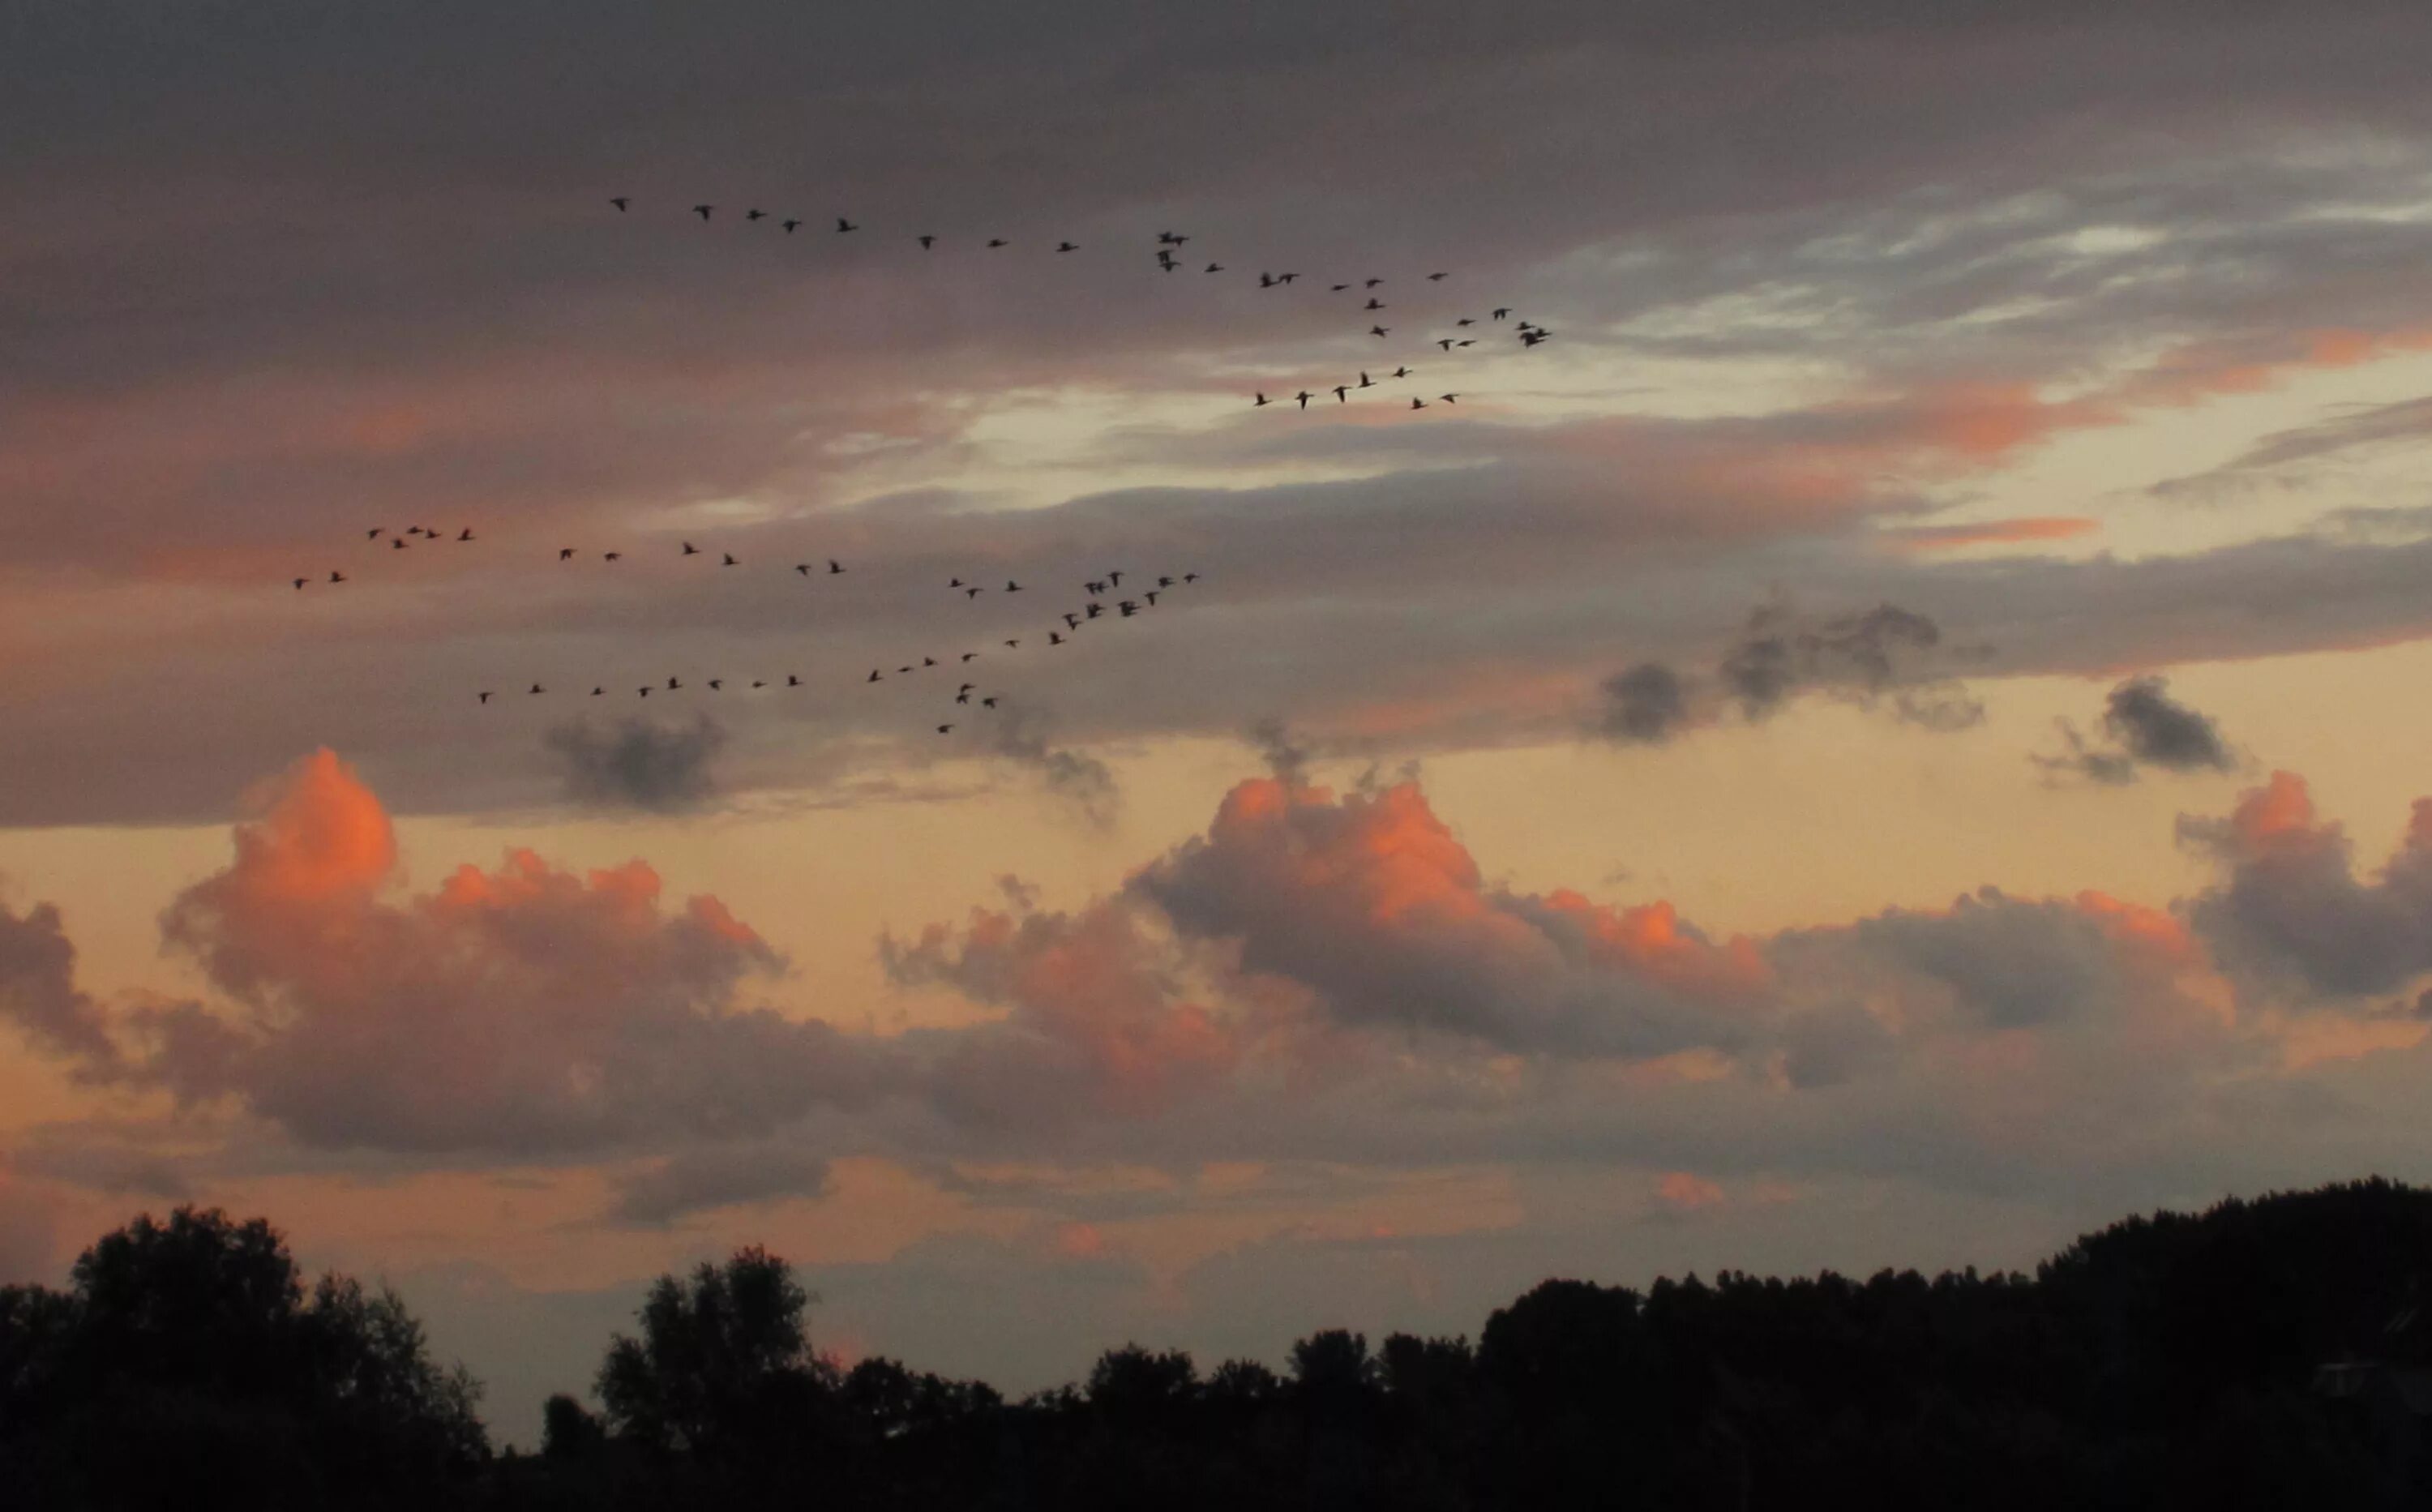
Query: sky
(1892, 736)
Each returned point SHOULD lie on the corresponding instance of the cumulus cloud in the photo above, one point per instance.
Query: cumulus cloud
(636, 763)
(38, 991)
(522, 1009)
(2291, 913)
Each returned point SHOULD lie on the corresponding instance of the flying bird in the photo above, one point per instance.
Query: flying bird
(1342, 393)
(1374, 304)
(1399, 372)
(1531, 338)
(373, 533)
(1435, 278)
(465, 534)
(612, 556)
(1260, 402)
(690, 549)
(537, 689)
(1366, 381)
(1379, 331)
(1151, 596)
(1303, 397)
(997, 241)
(730, 559)
(1096, 609)
(1066, 246)
(598, 691)
(988, 703)
(714, 684)
(792, 681)
(1215, 267)
(1446, 344)
(566, 553)
(1165, 582)
(621, 201)
(300, 584)
(673, 685)
(926, 242)
(1337, 288)
(1266, 280)
(1190, 577)
(396, 542)
(1016, 644)
(969, 654)
(1447, 398)
(973, 592)
(1464, 321)
(945, 729)
(963, 697)
(1370, 284)
(485, 697)
(953, 583)
(1114, 578)
(1502, 311)
(1011, 587)
(843, 226)
(337, 577)
(1418, 403)
(755, 214)
(834, 566)
(1072, 621)
(928, 661)
(804, 567)
(703, 210)
(873, 674)
(644, 691)
(1055, 637)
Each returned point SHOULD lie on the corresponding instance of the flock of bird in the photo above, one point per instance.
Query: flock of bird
(1104, 596)
(1102, 593)
(1168, 251)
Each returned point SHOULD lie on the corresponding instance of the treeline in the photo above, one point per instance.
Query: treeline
(2163, 1361)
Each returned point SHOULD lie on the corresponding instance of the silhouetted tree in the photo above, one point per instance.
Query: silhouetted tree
(723, 1362)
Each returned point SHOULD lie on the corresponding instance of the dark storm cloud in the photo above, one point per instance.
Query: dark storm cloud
(2160, 731)
(638, 763)
(1018, 733)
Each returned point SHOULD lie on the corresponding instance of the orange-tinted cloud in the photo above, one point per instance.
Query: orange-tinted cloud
(1924, 538)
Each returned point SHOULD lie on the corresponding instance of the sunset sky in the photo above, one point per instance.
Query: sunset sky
(1896, 735)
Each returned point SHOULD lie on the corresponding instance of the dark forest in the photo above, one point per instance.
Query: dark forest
(2264, 1354)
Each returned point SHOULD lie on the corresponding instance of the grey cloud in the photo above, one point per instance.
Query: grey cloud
(1644, 706)
(1017, 732)
(638, 763)
(1886, 650)
(37, 989)
(2159, 730)
(716, 1177)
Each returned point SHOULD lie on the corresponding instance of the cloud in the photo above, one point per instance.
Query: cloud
(2148, 727)
(1989, 532)
(1643, 705)
(38, 991)
(2292, 915)
(717, 1177)
(519, 1010)
(1017, 732)
(638, 763)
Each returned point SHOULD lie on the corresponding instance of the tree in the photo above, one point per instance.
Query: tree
(723, 1361)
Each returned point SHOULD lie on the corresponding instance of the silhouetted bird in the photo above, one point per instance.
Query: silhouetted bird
(988, 703)
(843, 226)
(804, 567)
(644, 691)
(1337, 288)
(1015, 644)
(1434, 277)
(926, 242)
(730, 559)
(673, 685)
(1165, 261)
(1464, 321)
(300, 582)
(1399, 372)
(1502, 311)
(1342, 393)
(619, 201)
(1531, 338)
(1214, 268)
(612, 556)
(1128, 607)
(1418, 403)
(1151, 596)
(566, 553)
(1190, 577)
(755, 214)
(465, 534)
(1448, 397)
(953, 583)
(690, 549)
(1055, 637)
(1260, 402)
(1303, 397)
(485, 697)
(997, 241)
(834, 566)
(757, 683)
(1114, 578)
(537, 689)
(703, 210)
(373, 533)
(396, 542)
(714, 684)
(901, 669)
(1165, 582)
(873, 674)
(792, 681)
(962, 698)
(1366, 381)
(1096, 609)
(971, 593)
(1469, 342)
(1374, 304)
(1377, 331)
(945, 729)
(1066, 246)
(1072, 621)
(1370, 284)
(791, 225)
(337, 577)
(1286, 277)
(969, 655)
(1446, 344)
(1011, 587)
